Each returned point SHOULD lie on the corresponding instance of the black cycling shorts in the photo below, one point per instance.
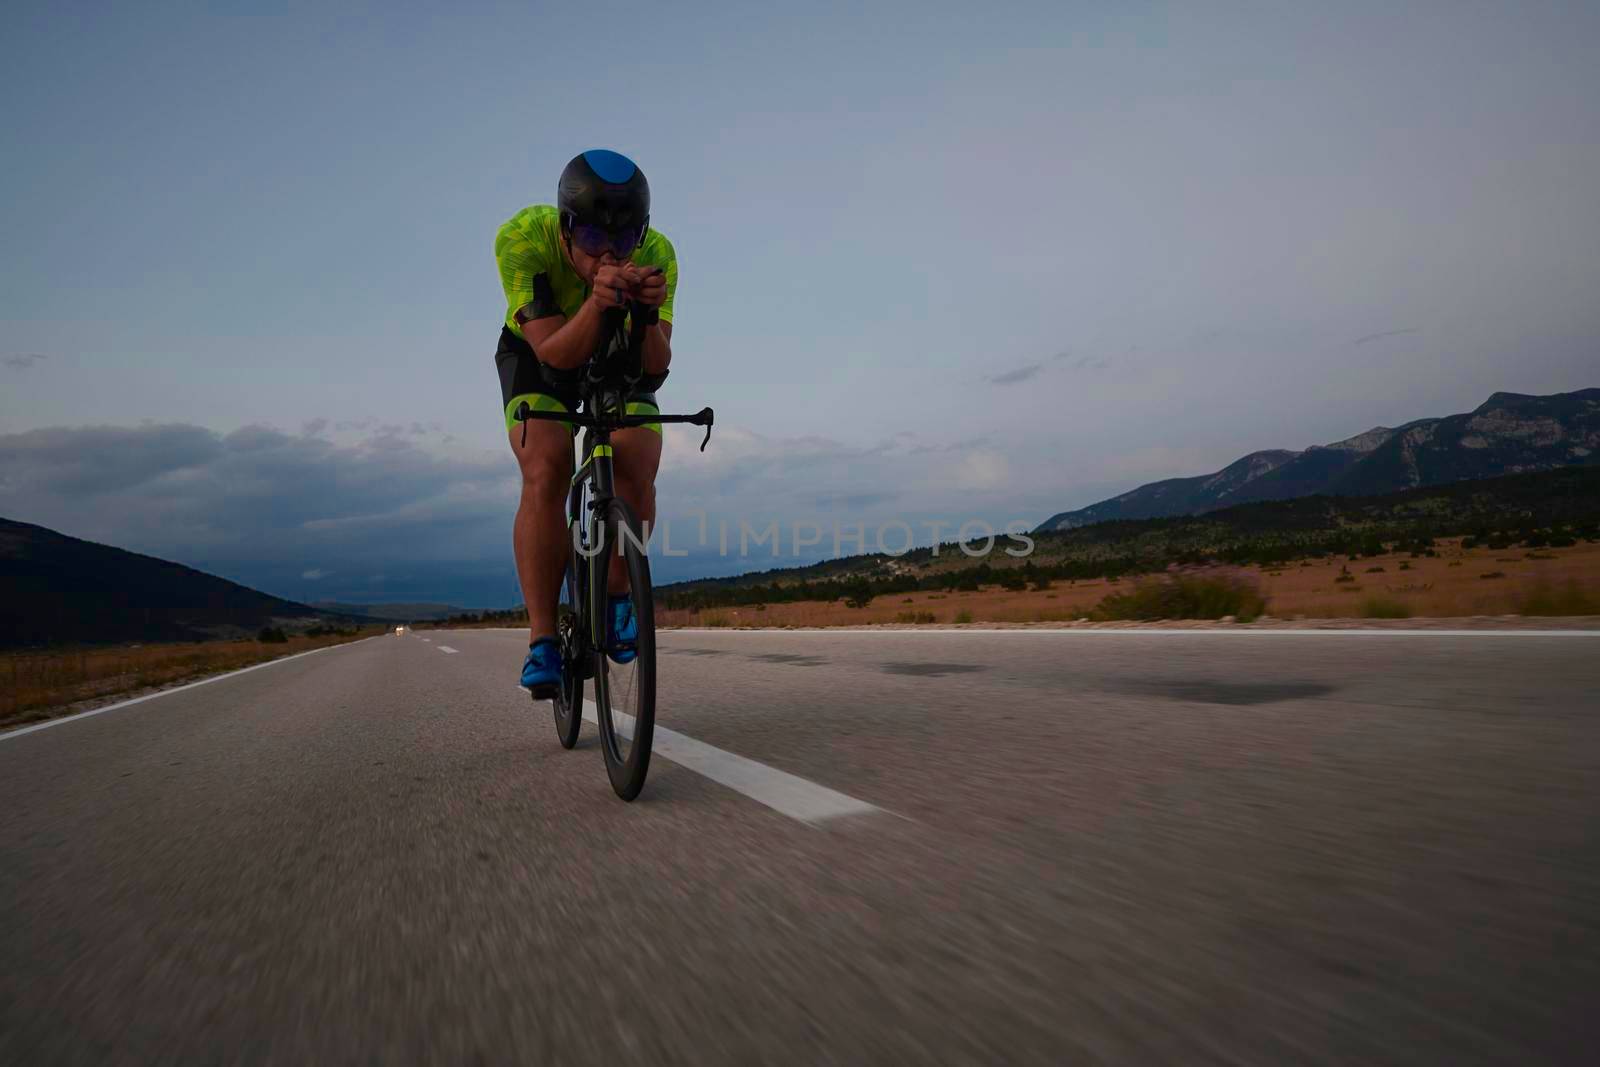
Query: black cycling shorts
(545, 388)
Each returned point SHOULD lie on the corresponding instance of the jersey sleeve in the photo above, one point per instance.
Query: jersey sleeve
(525, 277)
(669, 256)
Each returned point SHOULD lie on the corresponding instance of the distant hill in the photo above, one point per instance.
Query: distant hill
(1537, 508)
(1508, 434)
(392, 612)
(62, 590)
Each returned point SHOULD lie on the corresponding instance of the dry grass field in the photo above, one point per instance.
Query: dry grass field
(42, 685)
(1457, 583)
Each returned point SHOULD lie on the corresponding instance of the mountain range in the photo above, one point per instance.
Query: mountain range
(63, 590)
(1508, 433)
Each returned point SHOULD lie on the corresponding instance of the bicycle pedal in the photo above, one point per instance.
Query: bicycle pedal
(547, 691)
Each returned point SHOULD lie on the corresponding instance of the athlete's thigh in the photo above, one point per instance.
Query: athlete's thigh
(636, 454)
(547, 450)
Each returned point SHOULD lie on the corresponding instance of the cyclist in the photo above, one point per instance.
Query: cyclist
(563, 267)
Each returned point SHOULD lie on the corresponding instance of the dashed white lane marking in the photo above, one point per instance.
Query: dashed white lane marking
(427, 639)
(788, 794)
(168, 692)
(444, 648)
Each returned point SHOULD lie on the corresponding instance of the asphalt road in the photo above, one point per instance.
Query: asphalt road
(1065, 848)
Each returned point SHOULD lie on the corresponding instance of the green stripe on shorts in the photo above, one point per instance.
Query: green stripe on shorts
(536, 402)
(636, 407)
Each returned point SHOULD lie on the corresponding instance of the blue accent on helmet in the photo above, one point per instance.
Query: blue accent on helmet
(612, 167)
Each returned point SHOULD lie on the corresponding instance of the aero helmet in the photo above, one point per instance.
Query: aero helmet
(604, 202)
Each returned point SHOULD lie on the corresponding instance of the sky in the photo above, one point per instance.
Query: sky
(940, 263)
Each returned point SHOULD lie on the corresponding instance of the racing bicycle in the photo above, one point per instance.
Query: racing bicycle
(600, 523)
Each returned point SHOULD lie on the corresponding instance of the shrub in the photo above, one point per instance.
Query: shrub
(963, 617)
(1375, 607)
(915, 617)
(1405, 566)
(1374, 570)
(1041, 584)
(1185, 595)
(1571, 599)
(272, 635)
(1345, 575)
(858, 595)
(1493, 574)
(716, 619)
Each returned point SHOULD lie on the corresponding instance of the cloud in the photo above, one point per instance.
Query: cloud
(1371, 337)
(90, 460)
(983, 469)
(25, 360)
(852, 501)
(301, 516)
(1011, 377)
(257, 505)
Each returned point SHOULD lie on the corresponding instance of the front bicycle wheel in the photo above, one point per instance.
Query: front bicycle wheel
(625, 668)
(570, 636)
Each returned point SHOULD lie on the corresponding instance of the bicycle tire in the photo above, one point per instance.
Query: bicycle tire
(626, 768)
(568, 702)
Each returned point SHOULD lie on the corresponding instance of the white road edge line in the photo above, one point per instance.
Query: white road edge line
(788, 794)
(8, 735)
(1153, 631)
(445, 648)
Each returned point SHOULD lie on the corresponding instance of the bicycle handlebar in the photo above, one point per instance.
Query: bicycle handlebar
(599, 372)
(703, 417)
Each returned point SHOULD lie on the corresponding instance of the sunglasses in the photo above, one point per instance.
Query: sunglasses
(597, 241)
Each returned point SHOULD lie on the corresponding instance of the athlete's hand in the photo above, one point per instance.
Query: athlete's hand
(612, 283)
(650, 286)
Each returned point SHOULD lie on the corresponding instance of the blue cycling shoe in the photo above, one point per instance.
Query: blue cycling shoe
(624, 630)
(542, 669)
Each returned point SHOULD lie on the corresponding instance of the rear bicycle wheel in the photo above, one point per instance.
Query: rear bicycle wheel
(624, 693)
(570, 636)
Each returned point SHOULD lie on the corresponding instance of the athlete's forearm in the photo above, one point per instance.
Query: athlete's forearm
(657, 354)
(574, 340)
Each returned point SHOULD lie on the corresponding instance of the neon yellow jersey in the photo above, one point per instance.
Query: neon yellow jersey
(536, 275)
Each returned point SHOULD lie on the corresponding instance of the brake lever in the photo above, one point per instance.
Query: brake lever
(710, 418)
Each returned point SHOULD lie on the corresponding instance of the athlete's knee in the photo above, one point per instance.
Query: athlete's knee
(638, 491)
(544, 476)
